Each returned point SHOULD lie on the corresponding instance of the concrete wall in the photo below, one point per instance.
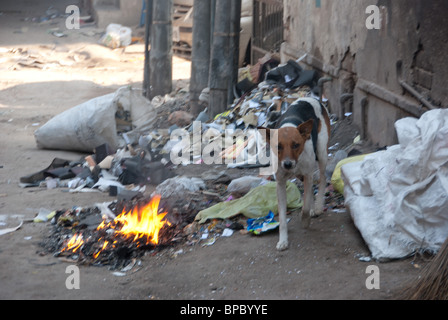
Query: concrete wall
(411, 45)
(124, 12)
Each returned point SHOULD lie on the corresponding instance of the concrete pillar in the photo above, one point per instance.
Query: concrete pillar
(234, 44)
(200, 57)
(220, 63)
(161, 54)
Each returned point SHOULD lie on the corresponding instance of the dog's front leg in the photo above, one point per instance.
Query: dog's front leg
(282, 203)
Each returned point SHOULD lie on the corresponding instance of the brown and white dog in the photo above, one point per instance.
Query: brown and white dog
(301, 139)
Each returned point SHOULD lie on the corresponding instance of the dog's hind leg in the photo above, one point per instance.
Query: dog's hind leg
(282, 203)
(308, 200)
(319, 206)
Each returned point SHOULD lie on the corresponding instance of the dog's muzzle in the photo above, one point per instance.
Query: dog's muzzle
(288, 164)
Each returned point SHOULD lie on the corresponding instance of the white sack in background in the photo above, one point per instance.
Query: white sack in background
(81, 128)
(398, 198)
(92, 123)
(143, 114)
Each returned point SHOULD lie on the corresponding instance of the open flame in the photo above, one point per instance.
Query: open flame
(74, 243)
(141, 224)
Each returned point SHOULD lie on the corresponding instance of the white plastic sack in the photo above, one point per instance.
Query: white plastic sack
(143, 114)
(116, 36)
(81, 128)
(398, 198)
(244, 184)
(92, 123)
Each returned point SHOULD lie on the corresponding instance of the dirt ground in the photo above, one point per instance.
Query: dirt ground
(45, 75)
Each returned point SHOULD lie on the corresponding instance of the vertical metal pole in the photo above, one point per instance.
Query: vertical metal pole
(200, 55)
(148, 21)
(161, 54)
(220, 59)
(234, 45)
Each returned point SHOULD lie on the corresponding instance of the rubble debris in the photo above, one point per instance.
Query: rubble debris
(180, 118)
(126, 177)
(291, 76)
(179, 185)
(9, 230)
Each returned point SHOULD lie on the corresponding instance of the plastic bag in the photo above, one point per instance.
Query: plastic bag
(116, 36)
(398, 198)
(243, 185)
(255, 204)
(81, 128)
(258, 226)
(93, 123)
(336, 179)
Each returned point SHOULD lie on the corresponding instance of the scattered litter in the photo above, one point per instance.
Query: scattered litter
(209, 242)
(364, 258)
(57, 33)
(179, 185)
(9, 230)
(227, 232)
(116, 36)
(261, 225)
(105, 210)
(131, 265)
(44, 215)
(119, 274)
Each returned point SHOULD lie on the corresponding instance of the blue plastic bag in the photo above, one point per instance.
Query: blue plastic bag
(261, 225)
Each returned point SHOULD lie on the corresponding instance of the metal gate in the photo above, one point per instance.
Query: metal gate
(267, 28)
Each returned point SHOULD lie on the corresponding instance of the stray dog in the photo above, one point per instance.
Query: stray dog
(303, 133)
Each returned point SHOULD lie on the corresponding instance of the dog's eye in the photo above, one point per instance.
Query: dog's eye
(280, 147)
(296, 146)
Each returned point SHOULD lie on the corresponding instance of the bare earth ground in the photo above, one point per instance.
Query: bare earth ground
(321, 263)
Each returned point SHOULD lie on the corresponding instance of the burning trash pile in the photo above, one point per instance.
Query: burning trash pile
(116, 240)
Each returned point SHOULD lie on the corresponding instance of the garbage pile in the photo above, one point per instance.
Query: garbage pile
(137, 141)
(132, 144)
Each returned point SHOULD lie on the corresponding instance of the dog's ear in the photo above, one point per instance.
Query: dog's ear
(306, 128)
(268, 133)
